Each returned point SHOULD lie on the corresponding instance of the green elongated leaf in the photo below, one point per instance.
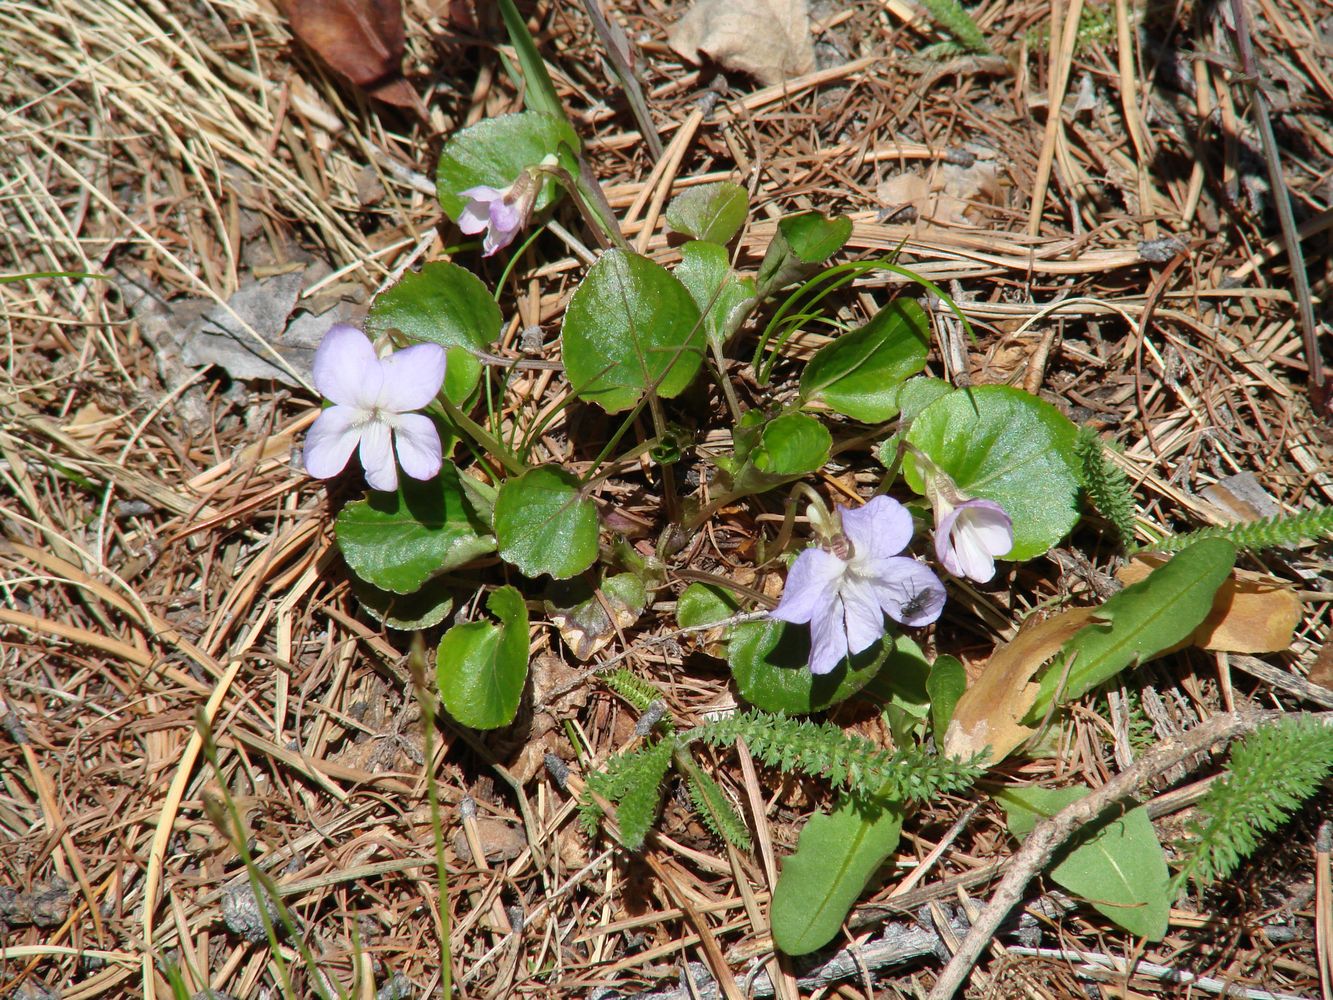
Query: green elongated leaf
(481, 667)
(1137, 623)
(838, 854)
(712, 212)
(859, 375)
(703, 604)
(945, 684)
(800, 244)
(630, 326)
(768, 661)
(1116, 863)
(407, 612)
(495, 151)
(544, 524)
(538, 88)
(1003, 444)
(724, 297)
(398, 541)
(446, 305)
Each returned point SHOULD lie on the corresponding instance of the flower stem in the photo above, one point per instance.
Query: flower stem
(482, 437)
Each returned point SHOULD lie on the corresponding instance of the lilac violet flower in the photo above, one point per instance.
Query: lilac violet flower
(501, 212)
(373, 401)
(969, 535)
(844, 587)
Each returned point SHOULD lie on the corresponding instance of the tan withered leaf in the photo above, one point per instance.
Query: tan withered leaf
(768, 39)
(989, 712)
(361, 40)
(1247, 616)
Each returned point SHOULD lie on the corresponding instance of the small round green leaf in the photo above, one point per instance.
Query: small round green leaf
(712, 212)
(768, 661)
(406, 612)
(1003, 444)
(495, 151)
(398, 541)
(860, 373)
(630, 326)
(703, 604)
(792, 445)
(544, 524)
(481, 667)
(447, 305)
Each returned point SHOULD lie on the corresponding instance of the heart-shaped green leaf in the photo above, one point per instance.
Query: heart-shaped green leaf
(630, 326)
(495, 151)
(768, 661)
(859, 374)
(712, 212)
(407, 612)
(724, 297)
(398, 541)
(800, 243)
(1005, 445)
(792, 445)
(703, 604)
(1116, 863)
(481, 667)
(447, 305)
(544, 523)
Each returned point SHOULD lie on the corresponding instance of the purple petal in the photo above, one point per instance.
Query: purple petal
(476, 214)
(377, 457)
(330, 441)
(812, 584)
(863, 617)
(828, 638)
(970, 536)
(908, 592)
(418, 444)
(412, 377)
(346, 370)
(880, 529)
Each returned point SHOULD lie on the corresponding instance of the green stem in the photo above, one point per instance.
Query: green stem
(482, 437)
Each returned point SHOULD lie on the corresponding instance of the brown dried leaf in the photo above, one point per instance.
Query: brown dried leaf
(1248, 616)
(1322, 671)
(988, 714)
(768, 39)
(361, 40)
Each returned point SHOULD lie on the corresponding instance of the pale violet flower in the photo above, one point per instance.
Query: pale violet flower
(844, 590)
(969, 535)
(373, 401)
(502, 212)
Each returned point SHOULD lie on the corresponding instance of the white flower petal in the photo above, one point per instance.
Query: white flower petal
(864, 621)
(476, 214)
(908, 591)
(331, 440)
(346, 370)
(828, 638)
(881, 528)
(377, 457)
(970, 536)
(412, 377)
(812, 583)
(418, 444)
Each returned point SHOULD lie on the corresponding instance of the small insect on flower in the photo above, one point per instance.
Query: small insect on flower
(845, 590)
(373, 401)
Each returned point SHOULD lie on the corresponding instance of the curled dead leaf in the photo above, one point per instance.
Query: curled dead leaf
(361, 40)
(989, 712)
(768, 39)
(1248, 615)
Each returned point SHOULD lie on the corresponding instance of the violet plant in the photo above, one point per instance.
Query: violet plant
(1000, 473)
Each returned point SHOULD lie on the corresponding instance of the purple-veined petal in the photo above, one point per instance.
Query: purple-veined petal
(812, 583)
(863, 617)
(418, 444)
(377, 457)
(828, 638)
(331, 440)
(346, 370)
(412, 377)
(881, 528)
(908, 591)
(970, 536)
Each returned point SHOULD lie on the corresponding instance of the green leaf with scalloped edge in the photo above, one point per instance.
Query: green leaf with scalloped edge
(481, 667)
(724, 297)
(544, 523)
(1005, 445)
(860, 373)
(712, 212)
(495, 151)
(630, 327)
(447, 305)
(398, 541)
(1116, 863)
